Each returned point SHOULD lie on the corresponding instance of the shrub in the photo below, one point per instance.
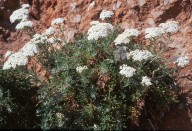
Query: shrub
(17, 104)
(102, 81)
(88, 90)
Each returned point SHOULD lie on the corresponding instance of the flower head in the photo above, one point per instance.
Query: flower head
(59, 115)
(139, 55)
(57, 21)
(127, 71)
(21, 14)
(23, 25)
(182, 61)
(37, 38)
(132, 32)
(100, 30)
(106, 14)
(29, 49)
(170, 26)
(122, 39)
(25, 6)
(14, 60)
(146, 81)
(80, 69)
(50, 31)
(53, 40)
(153, 32)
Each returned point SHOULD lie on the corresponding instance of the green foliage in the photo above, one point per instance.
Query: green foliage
(17, 105)
(100, 98)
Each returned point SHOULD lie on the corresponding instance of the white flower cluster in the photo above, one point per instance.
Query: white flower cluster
(25, 6)
(8, 53)
(24, 24)
(170, 27)
(29, 49)
(139, 55)
(20, 58)
(21, 14)
(127, 71)
(80, 69)
(106, 14)
(124, 37)
(37, 38)
(146, 81)
(50, 31)
(14, 60)
(99, 30)
(153, 32)
(53, 40)
(132, 32)
(59, 115)
(57, 21)
(182, 61)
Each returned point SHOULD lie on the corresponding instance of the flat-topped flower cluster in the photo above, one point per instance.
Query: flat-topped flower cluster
(106, 14)
(99, 30)
(20, 58)
(22, 16)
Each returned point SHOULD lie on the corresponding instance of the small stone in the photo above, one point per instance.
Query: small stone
(92, 5)
(73, 6)
(156, 14)
(142, 2)
(77, 19)
(117, 5)
(132, 3)
(151, 22)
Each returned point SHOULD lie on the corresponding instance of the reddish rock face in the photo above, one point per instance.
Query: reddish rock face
(128, 13)
(79, 13)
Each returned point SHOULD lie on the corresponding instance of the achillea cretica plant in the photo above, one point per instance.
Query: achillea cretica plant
(146, 81)
(139, 55)
(57, 21)
(127, 71)
(170, 26)
(182, 61)
(99, 30)
(153, 32)
(100, 81)
(106, 14)
(24, 24)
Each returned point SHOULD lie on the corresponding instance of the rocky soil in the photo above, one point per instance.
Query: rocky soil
(128, 14)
